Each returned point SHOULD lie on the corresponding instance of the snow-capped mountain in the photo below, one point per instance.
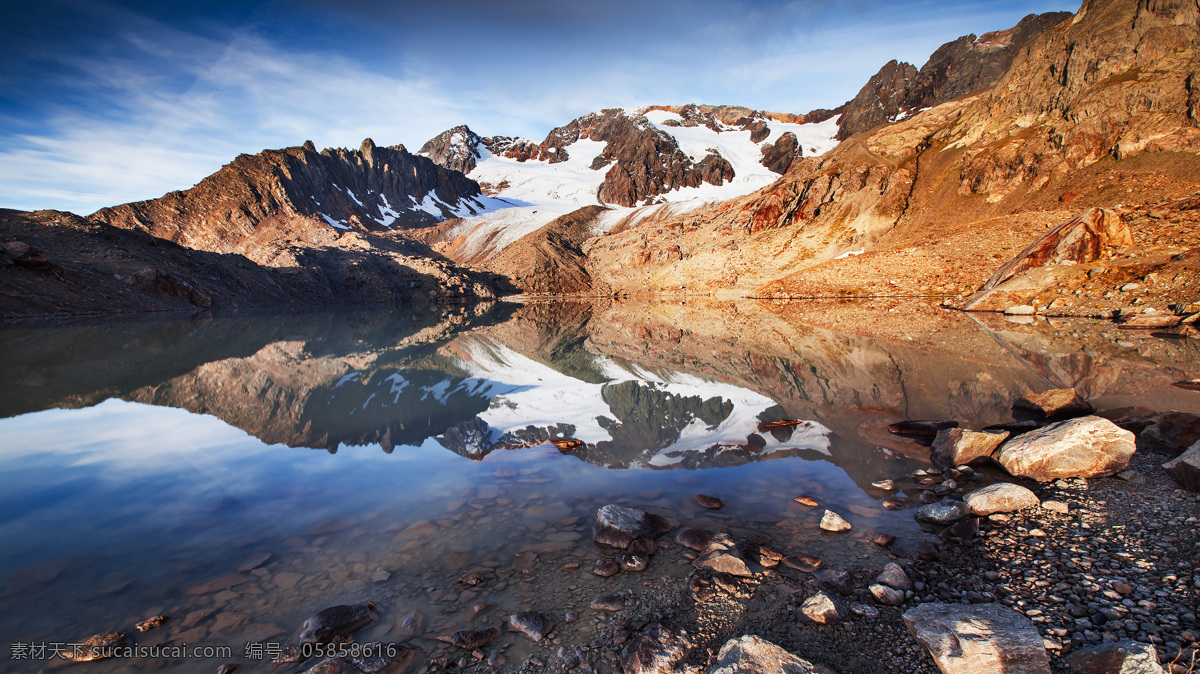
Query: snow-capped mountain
(637, 163)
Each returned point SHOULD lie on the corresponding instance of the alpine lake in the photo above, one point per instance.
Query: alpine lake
(239, 474)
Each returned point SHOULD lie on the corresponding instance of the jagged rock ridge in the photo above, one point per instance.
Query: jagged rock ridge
(963, 66)
(265, 204)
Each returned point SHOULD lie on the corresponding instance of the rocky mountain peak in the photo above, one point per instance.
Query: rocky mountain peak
(456, 149)
(958, 68)
(262, 205)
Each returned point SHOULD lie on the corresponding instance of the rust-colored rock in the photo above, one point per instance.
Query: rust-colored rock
(958, 446)
(1084, 238)
(1054, 404)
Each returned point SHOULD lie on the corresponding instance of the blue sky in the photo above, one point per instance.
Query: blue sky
(108, 101)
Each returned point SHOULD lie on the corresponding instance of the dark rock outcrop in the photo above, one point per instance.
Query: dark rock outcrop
(882, 99)
(456, 149)
(87, 267)
(779, 156)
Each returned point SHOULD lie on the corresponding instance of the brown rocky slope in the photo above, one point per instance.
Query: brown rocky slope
(1099, 110)
(54, 263)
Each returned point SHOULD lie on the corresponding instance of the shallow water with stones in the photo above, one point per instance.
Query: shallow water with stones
(172, 467)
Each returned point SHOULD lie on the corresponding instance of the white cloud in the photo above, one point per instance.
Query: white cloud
(254, 95)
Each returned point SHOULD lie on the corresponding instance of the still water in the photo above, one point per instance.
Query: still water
(239, 474)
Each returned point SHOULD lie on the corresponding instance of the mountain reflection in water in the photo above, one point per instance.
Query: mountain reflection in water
(145, 461)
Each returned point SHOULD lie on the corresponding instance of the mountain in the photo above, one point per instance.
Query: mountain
(1098, 110)
(282, 228)
(605, 171)
(266, 205)
(922, 185)
(958, 68)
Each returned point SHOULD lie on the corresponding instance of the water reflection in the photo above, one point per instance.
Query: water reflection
(145, 463)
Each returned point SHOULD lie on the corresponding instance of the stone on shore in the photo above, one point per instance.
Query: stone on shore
(619, 526)
(1085, 447)
(1122, 657)
(1002, 497)
(960, 446)
(822, 608)
(805, 563)
(1170, 433)
(978, 639)
(943, 512)
(655, 651)
(609, 602)
(753, 655)
(893, 575)
(335, 623)
(530, 623)
(97, 647)
(886, 594)
(1185, 468)
(722, 556)
(834, 522)
(469, 640)
(693, 538)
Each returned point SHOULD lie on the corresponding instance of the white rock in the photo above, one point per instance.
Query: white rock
(1002, 497)
(1084, 447)
(834, 522)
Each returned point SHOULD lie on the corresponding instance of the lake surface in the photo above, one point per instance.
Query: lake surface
(375, 457)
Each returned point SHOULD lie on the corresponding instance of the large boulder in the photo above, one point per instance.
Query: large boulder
(619, 526)
(1085, 447)
(978, 639)
(1122, 657)
(752, 655)
(1082, 238)
(958, 446)
(1059, 403)
(1002, 497)
(1185, 468)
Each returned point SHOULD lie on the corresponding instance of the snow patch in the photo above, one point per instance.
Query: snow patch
(335, 223)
